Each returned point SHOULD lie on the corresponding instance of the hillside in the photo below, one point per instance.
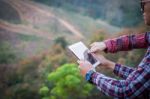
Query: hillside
(12, 15)
(119, 12)
(45, 23)
(34, 60)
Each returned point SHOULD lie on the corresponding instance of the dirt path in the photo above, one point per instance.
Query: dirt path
(22, 29)
(25, 6)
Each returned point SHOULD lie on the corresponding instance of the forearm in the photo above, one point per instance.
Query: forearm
(122, 71)
(130, 88)
(126, 42)
(118, 69)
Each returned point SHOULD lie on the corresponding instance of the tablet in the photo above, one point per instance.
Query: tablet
(81, 52)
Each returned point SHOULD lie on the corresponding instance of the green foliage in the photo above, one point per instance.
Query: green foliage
(44, 90)
(7, 55)
(62, 41)
(133, 58)
(98, 36)
(24, 92)
(28, 37)
(119, 12)
(67, 82)
(21, 80)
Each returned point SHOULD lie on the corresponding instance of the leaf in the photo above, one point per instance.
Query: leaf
(44, 90)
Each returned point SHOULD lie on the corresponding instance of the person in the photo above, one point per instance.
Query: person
(135, 83)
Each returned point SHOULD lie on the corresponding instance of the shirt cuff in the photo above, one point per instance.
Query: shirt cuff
(108, 46)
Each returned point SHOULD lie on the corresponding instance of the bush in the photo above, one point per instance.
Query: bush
(6, 53)
(66, 83)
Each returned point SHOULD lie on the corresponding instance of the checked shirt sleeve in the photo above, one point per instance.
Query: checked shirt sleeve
(137, 83)
(122, 71)
(127, 42)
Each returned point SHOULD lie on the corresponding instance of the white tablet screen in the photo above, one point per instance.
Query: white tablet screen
(81, 51)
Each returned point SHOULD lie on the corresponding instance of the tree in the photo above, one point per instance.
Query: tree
(61, 41)
(66, 83)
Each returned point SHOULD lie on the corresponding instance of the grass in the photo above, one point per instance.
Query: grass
(28, 37)
(84, 24)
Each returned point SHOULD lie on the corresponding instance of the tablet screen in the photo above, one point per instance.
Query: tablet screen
(81, 52)
(89, 57)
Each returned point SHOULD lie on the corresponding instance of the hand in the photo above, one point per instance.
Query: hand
(97, 46)
(84, 67)
(104, 62)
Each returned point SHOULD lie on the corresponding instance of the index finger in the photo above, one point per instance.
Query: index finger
(92, 44)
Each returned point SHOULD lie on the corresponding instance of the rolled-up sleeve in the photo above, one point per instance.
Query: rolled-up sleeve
(127, 42)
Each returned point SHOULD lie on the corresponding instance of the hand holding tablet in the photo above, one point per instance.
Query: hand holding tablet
(81, 52)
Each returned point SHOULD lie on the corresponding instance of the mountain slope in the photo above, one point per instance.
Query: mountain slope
(47, 23)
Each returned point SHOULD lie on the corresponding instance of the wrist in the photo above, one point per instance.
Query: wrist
(104, 45)
(88, 76)
(111, 65)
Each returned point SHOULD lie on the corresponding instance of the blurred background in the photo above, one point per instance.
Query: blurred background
(34, 35)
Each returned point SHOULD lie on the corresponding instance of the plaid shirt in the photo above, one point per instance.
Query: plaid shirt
(136, 82)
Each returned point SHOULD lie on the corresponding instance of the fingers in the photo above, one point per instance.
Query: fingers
(93, 49)
(95, 56)
(97, 46)
(92, 44)
(84, 63)
(80, 62)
